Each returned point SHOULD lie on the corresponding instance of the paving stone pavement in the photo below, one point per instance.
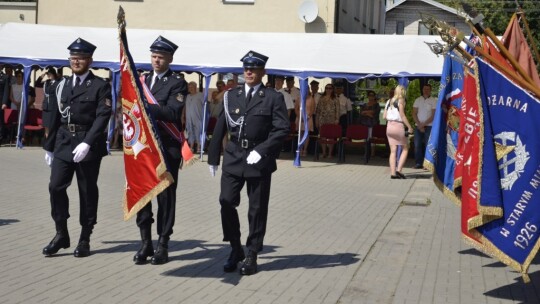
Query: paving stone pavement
(337, 233)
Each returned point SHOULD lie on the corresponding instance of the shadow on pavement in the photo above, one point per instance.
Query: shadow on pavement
(496, 265)
(518, 291)
(133, 245)
(308, 261)
(536, 260)
(419, 175)
(4, 222)
(473, 251)
(216, 255)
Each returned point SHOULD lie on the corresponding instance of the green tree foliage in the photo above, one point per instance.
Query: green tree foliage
(382, 89)
(497, 13)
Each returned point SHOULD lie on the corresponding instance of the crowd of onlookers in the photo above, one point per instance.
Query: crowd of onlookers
(327, 106)
(12, 90)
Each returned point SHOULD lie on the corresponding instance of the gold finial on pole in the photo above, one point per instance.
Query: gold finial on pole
(121, 18)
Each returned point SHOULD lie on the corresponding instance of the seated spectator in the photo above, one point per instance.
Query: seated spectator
(369, 112)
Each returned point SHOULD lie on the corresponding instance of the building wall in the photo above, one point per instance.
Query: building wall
(409, 13)
(199, 15)
(361, 16)
(17, 12)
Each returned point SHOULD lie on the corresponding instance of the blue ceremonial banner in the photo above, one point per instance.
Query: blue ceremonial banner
(510, 168)
(441, 148)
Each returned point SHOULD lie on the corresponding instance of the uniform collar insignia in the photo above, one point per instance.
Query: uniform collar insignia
(261, 93)
(240, 92)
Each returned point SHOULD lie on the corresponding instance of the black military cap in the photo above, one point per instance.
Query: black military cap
(314, 82)
(51, 70)
(254, 60)
(164, 45)
(81, 46)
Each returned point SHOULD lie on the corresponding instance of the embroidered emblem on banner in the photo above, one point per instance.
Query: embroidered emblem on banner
(512, 157)
(134, 141)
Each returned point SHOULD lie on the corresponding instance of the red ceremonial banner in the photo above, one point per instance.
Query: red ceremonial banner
(146, 171)
(467, 159)
(516, 43)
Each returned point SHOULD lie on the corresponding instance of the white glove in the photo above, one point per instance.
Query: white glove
(49, 156)
(253, 157)
(213, 169)
(80, 152)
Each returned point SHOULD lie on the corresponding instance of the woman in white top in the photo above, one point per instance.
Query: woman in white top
(394, 113)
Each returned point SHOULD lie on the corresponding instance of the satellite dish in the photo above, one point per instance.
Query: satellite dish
(308, 11)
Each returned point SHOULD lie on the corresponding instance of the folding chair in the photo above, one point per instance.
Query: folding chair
(10, 123)
(329, 134)
(34, 125)
(378, 137)
(356, 135)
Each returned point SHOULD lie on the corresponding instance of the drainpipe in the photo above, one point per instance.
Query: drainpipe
(37, 10)
(336, 16)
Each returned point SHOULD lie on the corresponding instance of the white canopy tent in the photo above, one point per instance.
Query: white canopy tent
(349, 56)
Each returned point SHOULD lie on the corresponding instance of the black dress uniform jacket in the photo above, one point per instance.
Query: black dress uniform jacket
(90, 109)
(50, 102)
(266, 124)
(168, 93)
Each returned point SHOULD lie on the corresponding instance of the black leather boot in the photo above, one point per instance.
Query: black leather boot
(237, 255)
(60, 240)
(147, 249)
(83, 248)
(250, 264)
(161, 255)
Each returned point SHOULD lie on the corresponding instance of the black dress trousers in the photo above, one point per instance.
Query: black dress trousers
(258, 190)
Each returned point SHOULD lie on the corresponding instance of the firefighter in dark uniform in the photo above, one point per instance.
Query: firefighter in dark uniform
(166, 87)
(50, 102)
(256, 119)
(75, 145)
